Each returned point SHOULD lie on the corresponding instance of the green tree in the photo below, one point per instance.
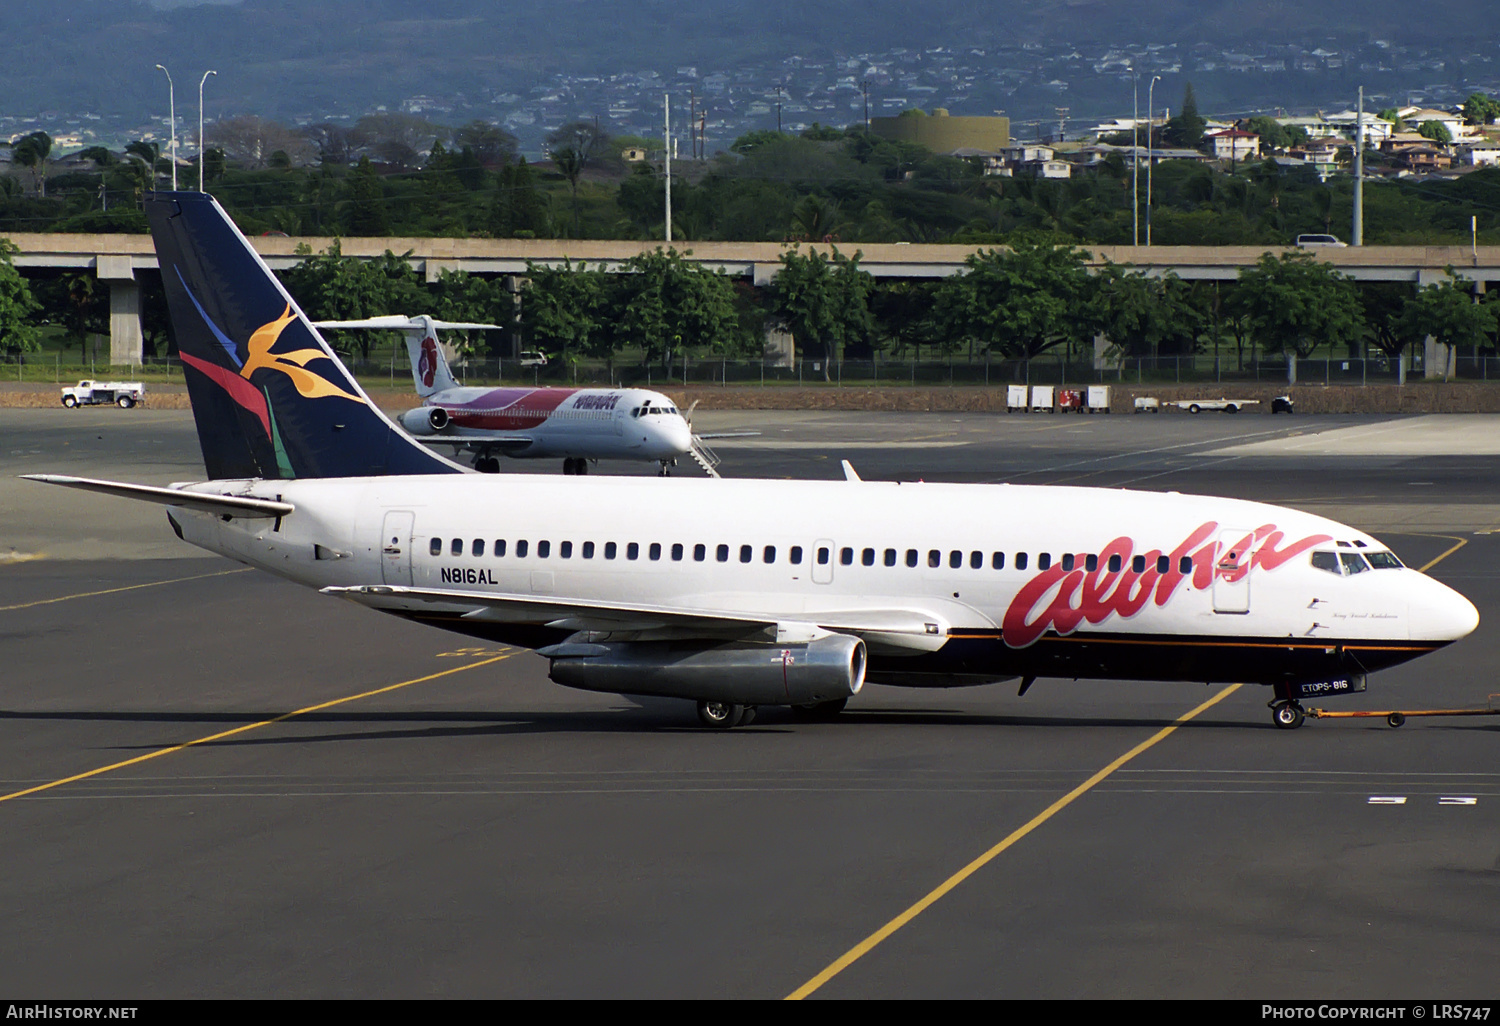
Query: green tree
(17, 305)
(823, 300)
(665, 304)
(1436, 131)
(31, 151)
(1021, 301)
(1480, 109)
(518, 210)
(332, 287)
(564, 311)
(1296, 303)
(1186, 129)
(367, 214)
(1448, 312)
(1143, 315)
(569, 162)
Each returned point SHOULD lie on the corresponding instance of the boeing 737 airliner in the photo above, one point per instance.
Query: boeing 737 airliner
(740, 593)
(577, 424)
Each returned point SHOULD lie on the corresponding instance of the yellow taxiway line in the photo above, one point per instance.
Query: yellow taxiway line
(251, 726)
(128, 587)
(869, 944)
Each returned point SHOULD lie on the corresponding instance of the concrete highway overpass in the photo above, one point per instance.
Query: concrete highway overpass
(118, 259)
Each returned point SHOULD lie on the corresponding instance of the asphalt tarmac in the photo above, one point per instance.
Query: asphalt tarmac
(217, 784)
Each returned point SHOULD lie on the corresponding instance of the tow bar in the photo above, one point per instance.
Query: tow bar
(1397, 717)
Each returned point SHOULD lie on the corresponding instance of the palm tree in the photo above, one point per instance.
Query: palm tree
(32, 151)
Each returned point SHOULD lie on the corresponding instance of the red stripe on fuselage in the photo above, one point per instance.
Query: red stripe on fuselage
(509, 408)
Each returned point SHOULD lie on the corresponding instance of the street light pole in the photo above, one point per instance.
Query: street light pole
(200, 126)
(172, 113)
(1150, 144)
(1135, 158)
(666, 138)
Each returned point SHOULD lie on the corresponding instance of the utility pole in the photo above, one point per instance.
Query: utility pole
(1150, 148)
(778, 108)
(692, 122)
(666, 139)
(1358, 237)
(864, 87)
(1135, 158)
(172, 109)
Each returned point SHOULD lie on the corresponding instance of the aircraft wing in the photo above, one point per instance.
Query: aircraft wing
(478, 442)
(220, 505)
(910, 630)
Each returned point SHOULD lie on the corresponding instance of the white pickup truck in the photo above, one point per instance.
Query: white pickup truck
(124, 394)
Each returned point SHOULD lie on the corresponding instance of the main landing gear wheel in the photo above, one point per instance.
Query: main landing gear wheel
(820, 710)
(1287, 715)
(1395, 719)
(575, 466)
(721, 715)
(487, 465)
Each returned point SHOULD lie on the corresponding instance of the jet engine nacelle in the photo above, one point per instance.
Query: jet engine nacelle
(425, 420)
(823, 670)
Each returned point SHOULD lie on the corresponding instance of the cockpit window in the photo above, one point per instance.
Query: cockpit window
(1354, 563)
(1328, 561)
(1384, 560)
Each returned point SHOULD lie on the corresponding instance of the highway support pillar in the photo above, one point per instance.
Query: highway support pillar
(125, 337)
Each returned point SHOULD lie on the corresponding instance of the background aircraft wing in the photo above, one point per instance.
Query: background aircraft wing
(475, 443)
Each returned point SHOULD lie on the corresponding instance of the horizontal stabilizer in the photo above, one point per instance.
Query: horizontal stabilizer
(400, 322)
(220, 505)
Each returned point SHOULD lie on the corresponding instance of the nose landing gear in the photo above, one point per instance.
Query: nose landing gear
(1287, 714)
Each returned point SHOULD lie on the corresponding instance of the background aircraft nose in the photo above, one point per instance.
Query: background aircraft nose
(1438, 613)
(673, 435)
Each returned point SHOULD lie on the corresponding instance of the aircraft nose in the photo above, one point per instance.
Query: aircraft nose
(1438, 613)
(675, 435)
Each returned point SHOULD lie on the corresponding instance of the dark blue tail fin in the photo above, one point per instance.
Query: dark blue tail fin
(270, 398)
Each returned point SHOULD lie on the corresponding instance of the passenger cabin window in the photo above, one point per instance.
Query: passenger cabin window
(911, 557)
(588, 550)
(1020, 561)
(677, 552)
(1185, 565)
(1091, 562)
(747, 553)
(565, 550)
(499, 547)
(795, 556)
(934, 558)
(477, 548)
(610, 550)
(1043, 560)
(867, 557)
(633, 550)
(655, 551)
(997, 560)
(1328, 561)
(769, 555)
(823, 555)
(1164, 563)
(1116, 563)
(722, 553)
(1067, 561)
(521, 549)
(543, 549)
(955, 559)
(700, 552)
(436, 548)
(1138, 564)
(846, 556)
(457, 548)
(890, 557)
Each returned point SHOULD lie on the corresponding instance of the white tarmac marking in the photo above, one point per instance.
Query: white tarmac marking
(1457, 800)
(1387, 799)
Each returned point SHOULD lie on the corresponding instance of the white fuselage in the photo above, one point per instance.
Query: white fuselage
(1014, 579)
(587, 423)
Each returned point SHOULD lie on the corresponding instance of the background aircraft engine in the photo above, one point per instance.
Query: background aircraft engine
(425, 420)
(823, 670)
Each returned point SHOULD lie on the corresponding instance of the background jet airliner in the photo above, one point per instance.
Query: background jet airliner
(740, 593)
(576, 424)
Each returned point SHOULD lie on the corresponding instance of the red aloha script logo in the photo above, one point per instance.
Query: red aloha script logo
(427, 363)
(1063, 599)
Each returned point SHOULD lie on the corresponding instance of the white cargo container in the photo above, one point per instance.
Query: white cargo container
(1042, 398)
(1015, 398)
(1098, 398)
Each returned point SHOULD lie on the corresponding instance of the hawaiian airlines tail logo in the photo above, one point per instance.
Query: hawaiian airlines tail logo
(1062, 600)
(427, 362)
